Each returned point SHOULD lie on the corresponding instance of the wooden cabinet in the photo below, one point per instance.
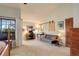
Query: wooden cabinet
(74, 38)
(68, 26)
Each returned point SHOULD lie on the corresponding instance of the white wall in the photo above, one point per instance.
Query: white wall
(14, 13)
(76, 15)
(18, 32)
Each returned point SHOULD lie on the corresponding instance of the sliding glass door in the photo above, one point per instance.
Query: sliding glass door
(6, 24)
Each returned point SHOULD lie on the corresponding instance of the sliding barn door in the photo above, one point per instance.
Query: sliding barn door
(68, 26)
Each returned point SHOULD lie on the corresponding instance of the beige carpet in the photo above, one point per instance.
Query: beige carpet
(39, 48)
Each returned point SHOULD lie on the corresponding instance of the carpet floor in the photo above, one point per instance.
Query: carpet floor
(39, 48)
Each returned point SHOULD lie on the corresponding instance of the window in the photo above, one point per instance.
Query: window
(4, 25)
(0, 26)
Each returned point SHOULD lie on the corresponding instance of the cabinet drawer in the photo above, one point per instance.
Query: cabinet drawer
(75, 44)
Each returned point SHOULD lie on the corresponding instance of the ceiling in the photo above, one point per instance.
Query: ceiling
(33, 12)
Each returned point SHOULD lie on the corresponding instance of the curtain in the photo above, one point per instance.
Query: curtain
(51, 26)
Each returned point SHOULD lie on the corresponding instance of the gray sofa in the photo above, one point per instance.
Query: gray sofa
(47, 38)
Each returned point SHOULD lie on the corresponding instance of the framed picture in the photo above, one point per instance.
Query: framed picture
(61, 24)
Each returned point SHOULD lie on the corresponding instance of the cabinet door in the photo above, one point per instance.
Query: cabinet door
(74, 48)
(68, 25)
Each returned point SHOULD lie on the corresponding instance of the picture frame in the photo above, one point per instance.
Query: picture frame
(61, 24)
